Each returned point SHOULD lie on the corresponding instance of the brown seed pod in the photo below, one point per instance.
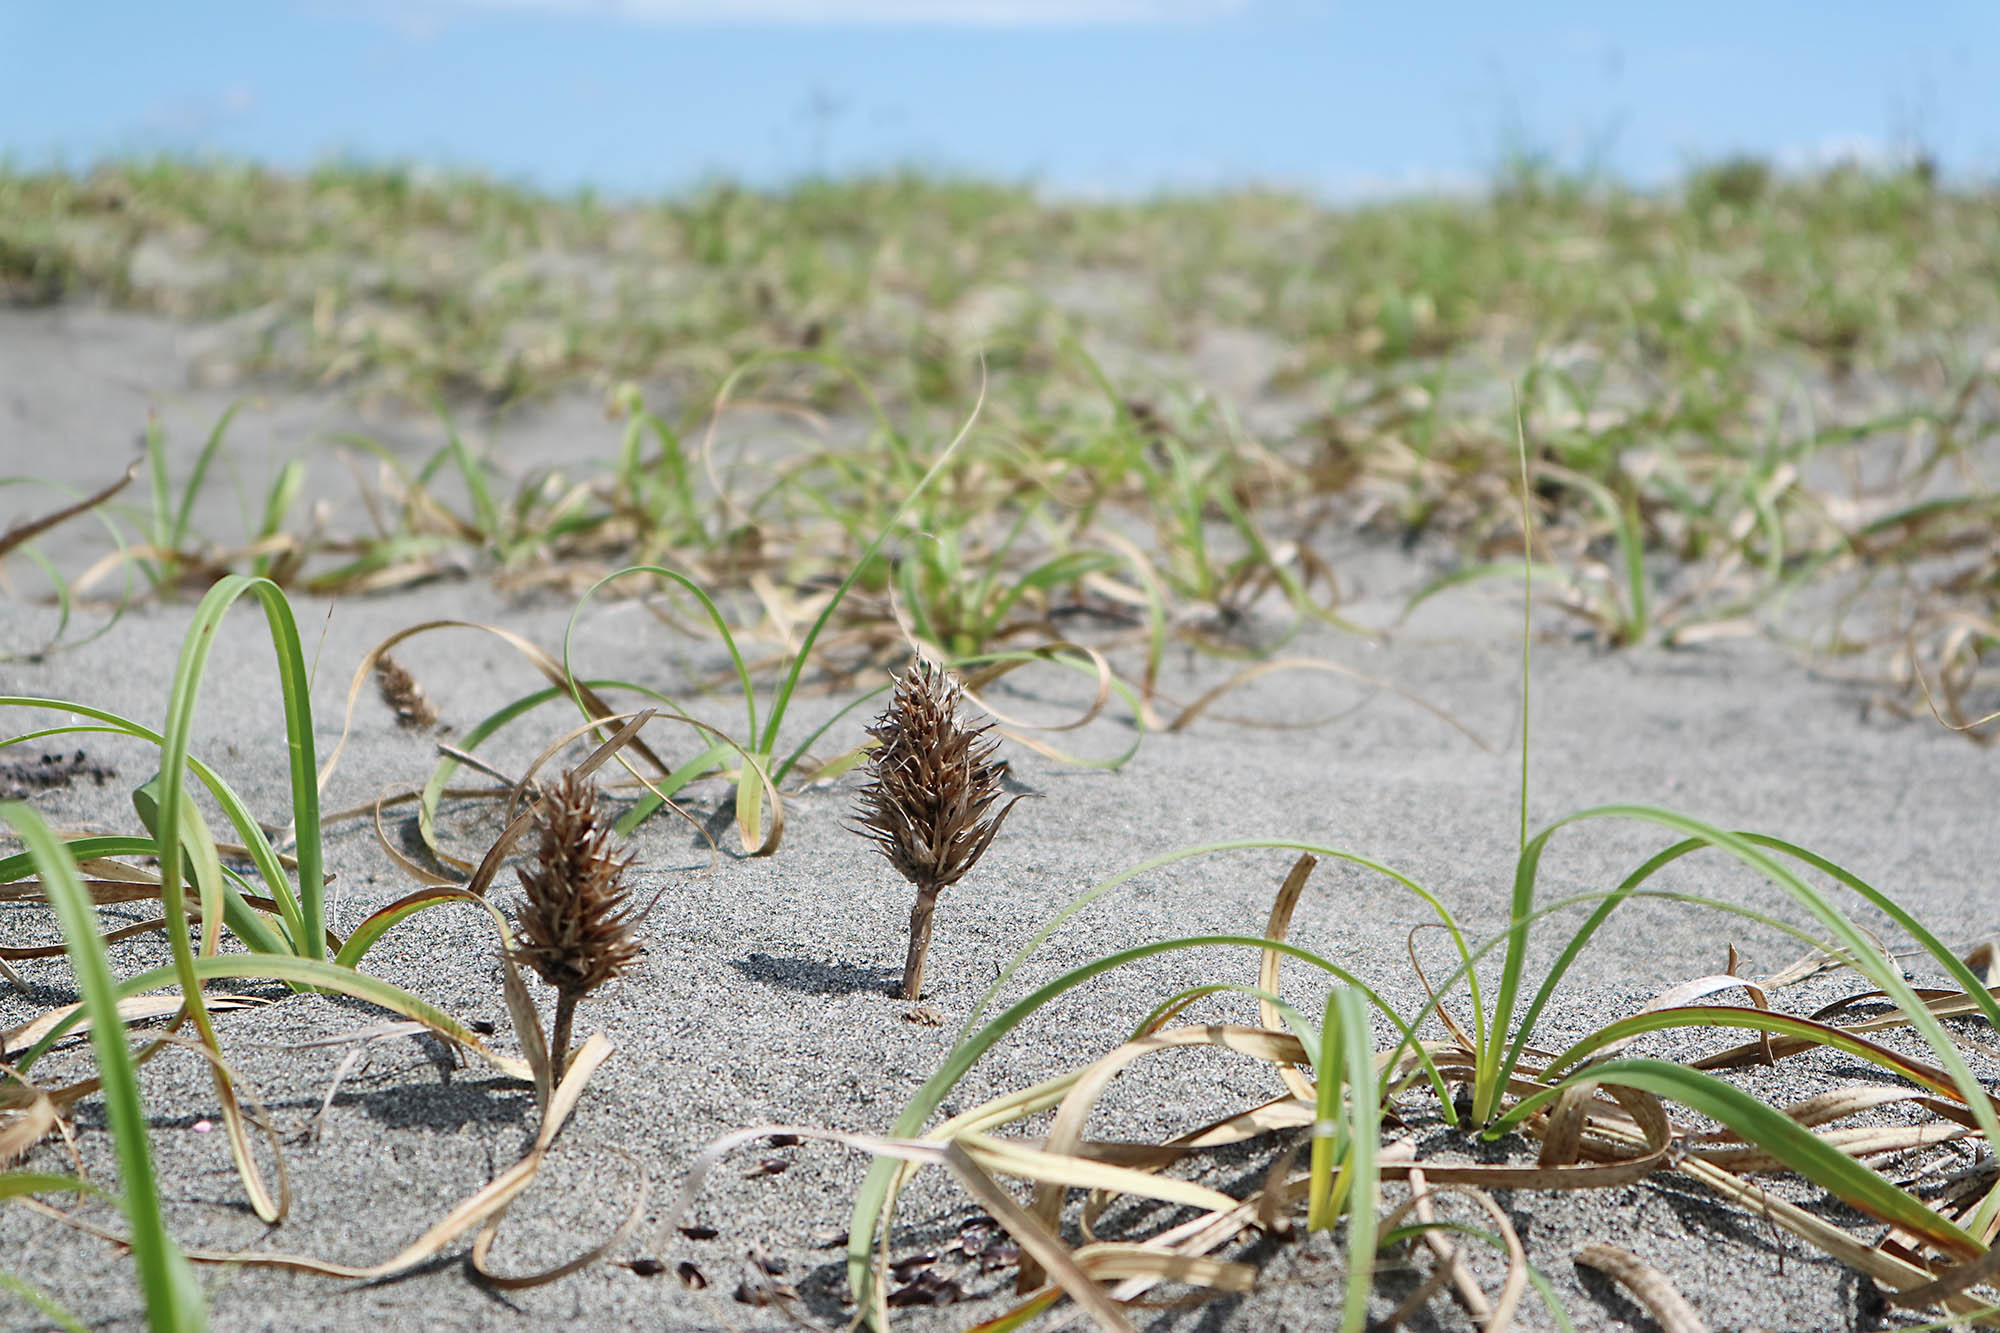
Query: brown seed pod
(930, 801)
(401, 692)
(576, 922)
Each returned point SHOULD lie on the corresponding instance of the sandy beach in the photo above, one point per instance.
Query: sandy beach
(762, 994)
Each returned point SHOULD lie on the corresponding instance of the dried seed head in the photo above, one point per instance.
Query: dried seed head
(934, 783)
(402, 693)
(576, 926)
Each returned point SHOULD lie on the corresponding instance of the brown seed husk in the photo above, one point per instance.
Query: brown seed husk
(929, 804)
(576, 925)
(401, 692)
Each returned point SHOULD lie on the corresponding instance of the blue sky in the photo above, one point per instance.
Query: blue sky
(1081, 96)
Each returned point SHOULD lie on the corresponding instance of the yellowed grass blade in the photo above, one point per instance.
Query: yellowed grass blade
(1037, 1242)
(1275, 927)
(1067, 1131)
(133, 1009)
(470, 1212)
(1647, 1284)
(27, 1116)
(1064, 1169)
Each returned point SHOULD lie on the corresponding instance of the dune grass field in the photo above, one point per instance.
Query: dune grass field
(1441, 749)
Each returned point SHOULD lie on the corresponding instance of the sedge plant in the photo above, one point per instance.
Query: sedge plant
(930, 802)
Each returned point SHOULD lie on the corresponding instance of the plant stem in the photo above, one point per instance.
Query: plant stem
(920, 942)
(560, 1038)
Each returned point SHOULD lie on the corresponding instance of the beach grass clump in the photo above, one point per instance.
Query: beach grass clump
(576, 935)
(1662, 339)
(1598, 1116)
(931, 798)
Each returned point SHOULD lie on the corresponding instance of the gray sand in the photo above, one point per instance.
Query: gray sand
(761, 995)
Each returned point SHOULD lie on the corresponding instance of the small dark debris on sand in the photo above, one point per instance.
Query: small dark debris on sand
(22, 778)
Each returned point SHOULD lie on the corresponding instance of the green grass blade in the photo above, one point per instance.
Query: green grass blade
(246, 922)
(54, 1313)
(1326, 1129)
(1755, 1020)
(1778, 1134)
(171, 1300)
(1496, 1066)
(715, 618)
(21, 865)
(1091, 895)
(291, 479)
(381, 922)
(486, 514)
(300, 973)
(1361, 1175)
(782, 697)
(14, 1184)
(184, 516)
(296, 684)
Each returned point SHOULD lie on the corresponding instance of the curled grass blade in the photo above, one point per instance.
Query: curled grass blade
(308, 909)
(1091, 895)
(1756, 1020)
(305, 973)
(1506, 1041)
(1774, 1131)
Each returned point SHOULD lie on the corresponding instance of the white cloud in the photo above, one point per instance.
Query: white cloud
(933, 13)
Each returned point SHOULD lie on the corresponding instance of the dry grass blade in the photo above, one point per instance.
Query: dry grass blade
(1917, 1071)
(29, 529)
(1275, 928)
(1065, 1135)
(1194, 710)
(28, 1114)
(1450, 1268)
(473, 1211)
(1978, 1272)
(133, 1009)
(496, 855)
(1446, 1253)
(1647, 1284)
(1958, 720)
(1079, 1172)
(482, 1244)
(1892, 1273)
(1509, 1299)
(1118, 1261)
(977, 681)
(1037, 1242)
(1562, 1131)
(551, 670)
(527, 1029)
